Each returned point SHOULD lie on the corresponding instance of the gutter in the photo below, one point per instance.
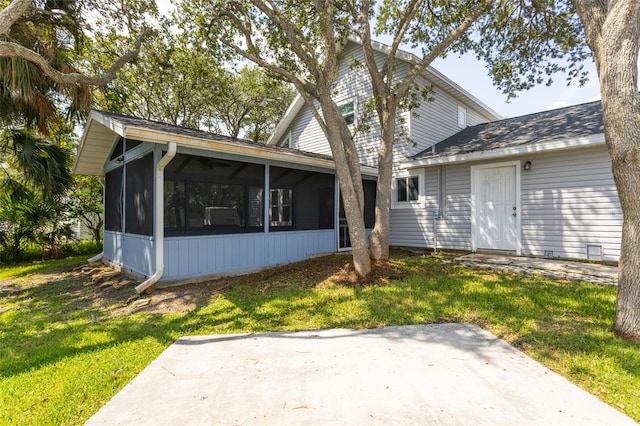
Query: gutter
(550, 146)
(159, 219)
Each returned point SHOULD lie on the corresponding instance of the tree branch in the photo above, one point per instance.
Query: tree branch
(593, 14)
(403, 26)
(406, 84)
(298, 42)
(11, 13)
(369, 55)
(9, 49)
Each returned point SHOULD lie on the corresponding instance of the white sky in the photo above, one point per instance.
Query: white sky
(472, 75)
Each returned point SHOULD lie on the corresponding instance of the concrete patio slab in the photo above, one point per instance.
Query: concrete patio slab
(450, 374)
(598, 273)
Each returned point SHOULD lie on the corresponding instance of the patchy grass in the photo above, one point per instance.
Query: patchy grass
(68, 347)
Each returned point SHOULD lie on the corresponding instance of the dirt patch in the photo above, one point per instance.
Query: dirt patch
(104, 289)
(319, 272)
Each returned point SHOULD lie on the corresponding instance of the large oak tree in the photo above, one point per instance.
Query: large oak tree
(298, 42)
(301, 42)
(612, 31)
(42, 48)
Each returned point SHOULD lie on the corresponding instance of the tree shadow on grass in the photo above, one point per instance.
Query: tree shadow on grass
(546, 318)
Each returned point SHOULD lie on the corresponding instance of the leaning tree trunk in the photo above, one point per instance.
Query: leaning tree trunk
(350, 180)
(612, 32)
(379, 238)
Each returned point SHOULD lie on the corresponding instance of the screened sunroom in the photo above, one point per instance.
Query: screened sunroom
(216, 205)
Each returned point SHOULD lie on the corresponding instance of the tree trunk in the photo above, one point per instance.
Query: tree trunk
(350, 181)
(621, 114)
(380, 235)
(612, 33)
(97, 234)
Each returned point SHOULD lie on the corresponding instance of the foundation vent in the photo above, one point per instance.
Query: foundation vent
(548, 254)
(594, 252)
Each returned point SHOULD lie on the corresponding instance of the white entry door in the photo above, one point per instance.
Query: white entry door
(496, 208)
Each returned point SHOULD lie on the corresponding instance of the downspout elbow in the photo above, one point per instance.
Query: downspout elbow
(151, 280)
(159, 219)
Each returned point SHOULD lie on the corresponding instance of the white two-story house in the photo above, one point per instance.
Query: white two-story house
(537, 185)
(182, 204)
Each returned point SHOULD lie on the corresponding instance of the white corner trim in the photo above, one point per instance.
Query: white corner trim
(556, 145)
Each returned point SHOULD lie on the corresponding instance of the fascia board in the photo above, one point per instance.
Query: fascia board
(286, 121)
(115, 126)
(550, 146)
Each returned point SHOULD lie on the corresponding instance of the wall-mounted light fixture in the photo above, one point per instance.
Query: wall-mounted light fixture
(526, 166)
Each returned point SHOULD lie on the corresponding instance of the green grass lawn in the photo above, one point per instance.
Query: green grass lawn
(65, 351)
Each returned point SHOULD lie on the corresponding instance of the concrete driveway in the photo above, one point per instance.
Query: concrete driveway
(452, 374)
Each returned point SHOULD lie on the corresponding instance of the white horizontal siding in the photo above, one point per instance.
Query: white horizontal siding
(454, 229)
(569, 201)
(187, 257)
(434, 121)
(411, 227)
(353, 83)
(307, 135)
(415, 227)
(474, 118)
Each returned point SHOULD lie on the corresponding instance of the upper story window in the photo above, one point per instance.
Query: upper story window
(462, 117)
(348, 111)
(407, 190)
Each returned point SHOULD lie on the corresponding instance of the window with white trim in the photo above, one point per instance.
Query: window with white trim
(280, 212)
(407, 190)
(462, 117)
(348, 111)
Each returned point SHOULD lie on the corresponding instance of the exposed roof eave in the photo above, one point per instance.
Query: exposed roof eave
(287, 119)
(99, 152)
(549, 146)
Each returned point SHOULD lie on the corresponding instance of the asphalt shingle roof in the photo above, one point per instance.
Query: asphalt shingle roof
(128, 120)
(560, 124)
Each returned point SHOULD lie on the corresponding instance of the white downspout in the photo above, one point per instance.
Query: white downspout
(159, 219)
